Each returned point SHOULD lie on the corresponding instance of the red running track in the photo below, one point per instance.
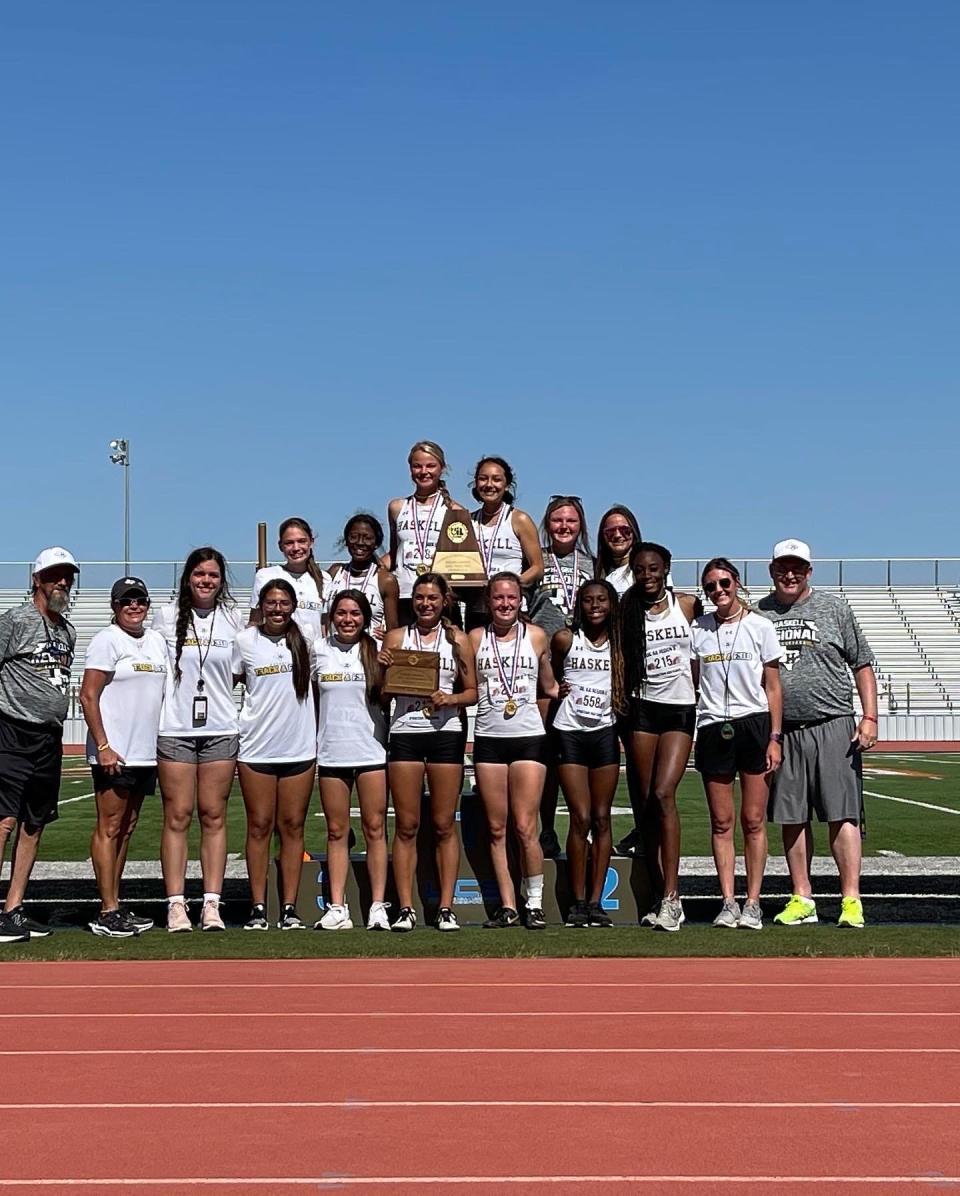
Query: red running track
(481, 1076)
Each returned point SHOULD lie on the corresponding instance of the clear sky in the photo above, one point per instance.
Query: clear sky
(699, 258)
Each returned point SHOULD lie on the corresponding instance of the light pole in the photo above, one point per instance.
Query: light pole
(120, 455)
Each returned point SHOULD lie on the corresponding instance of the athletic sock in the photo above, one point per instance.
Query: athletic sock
(211, 897)
(532, 890)
(173, 900)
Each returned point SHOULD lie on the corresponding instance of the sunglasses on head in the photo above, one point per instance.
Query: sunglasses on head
(565, 497)
(711, 587)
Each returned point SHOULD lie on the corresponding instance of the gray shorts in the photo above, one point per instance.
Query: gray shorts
(821, 773)
(197, 749)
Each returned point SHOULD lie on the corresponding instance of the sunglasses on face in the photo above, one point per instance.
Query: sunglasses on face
(133, 602)
(618, 533)
(711, 587)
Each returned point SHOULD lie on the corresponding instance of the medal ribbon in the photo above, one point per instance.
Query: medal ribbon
(508, 688)
(569, 595)
(362, 586)
(488, 553)
(423, 541)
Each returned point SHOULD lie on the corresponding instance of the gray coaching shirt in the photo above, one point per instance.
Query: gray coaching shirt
(820, 638)
(35, 659)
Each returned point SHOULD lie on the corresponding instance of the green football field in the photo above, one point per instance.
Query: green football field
(912, 807)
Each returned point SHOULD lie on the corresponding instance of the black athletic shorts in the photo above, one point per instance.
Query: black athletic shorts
(136, 781)
(31, 758)
(427, 747)
(506, 749)
(349, 774)
(715, 756)
(591, 749)
(290, 768)
(659, 718)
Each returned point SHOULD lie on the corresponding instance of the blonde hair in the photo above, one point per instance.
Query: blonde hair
(434, 449)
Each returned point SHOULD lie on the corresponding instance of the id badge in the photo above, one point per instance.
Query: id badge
(200, 710)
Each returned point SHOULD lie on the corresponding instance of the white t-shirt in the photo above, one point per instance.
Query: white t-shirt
(621, 578)
(352, 732)
(276, 727)
(211, 634)
(310, 605)
(131, 700)
(368, 584)
(732, 656)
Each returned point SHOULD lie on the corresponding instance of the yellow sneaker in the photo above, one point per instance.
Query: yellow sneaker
(797, 911)
(851, 913)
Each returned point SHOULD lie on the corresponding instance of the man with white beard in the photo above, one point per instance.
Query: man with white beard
(36, 652)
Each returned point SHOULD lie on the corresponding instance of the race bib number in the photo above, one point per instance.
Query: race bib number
(590, 704)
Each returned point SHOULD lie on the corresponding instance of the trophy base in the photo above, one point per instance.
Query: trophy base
(461, 568)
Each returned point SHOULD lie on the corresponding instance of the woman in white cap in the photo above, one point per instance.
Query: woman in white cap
(125, 672)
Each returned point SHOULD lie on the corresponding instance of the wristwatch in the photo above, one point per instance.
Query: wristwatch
(776, 736)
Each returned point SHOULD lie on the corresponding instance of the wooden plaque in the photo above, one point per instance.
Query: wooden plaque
(457, 555)
(414, 673)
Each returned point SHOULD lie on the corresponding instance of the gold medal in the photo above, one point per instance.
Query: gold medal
(427, 711)
(726, 731)
(510, 708)
(422, 568)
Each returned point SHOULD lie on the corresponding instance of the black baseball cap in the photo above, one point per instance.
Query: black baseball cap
(129, 587)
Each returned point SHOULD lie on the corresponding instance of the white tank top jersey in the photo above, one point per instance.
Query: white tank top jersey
(499, 544)
(620, 578)
(667, 658)
(211, 638)
(505, 684)
(418, 530)
(732, 656)
(311, 606)
(276, 727)
(130, 702)
(589, 704)
(352, 732)
(563, 576)
(367, 583)
(408, 716)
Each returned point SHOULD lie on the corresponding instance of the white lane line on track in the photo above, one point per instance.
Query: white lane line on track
(909, 801)
(537, 984)
(65, 801)
(497, 1013)
(481, 1104)
(386, 1181)
(495, 1051)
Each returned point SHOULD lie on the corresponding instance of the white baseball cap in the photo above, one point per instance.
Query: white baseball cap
(795, 548)
(50, 557)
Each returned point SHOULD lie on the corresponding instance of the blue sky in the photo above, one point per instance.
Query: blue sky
(698, 258)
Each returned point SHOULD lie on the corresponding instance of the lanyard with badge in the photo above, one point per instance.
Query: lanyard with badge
(200, 700)
(727, 729)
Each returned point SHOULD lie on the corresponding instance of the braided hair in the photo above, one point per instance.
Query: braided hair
(618, 689)
(185, 595)
(293, 637)
(633, 621)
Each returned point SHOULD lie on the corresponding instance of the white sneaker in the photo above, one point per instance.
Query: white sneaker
(210, 916)
(378, 919)
(406, 920)
(337, 917)
(177, 917)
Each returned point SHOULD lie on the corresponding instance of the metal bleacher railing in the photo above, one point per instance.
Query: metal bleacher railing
(908, 607)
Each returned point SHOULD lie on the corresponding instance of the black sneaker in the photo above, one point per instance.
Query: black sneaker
(406, 920)
(10, 932)
(578, 916)
(290, 919)
(535, 918)
(257, 919)
(598, 915)
(35, 930)
(113, 924)
(629, 844)
(550, 844)
(504, 917)
(140, 924)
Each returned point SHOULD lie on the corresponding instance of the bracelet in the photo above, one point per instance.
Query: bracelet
(776, 737)
(868, 718)
(103, 746)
